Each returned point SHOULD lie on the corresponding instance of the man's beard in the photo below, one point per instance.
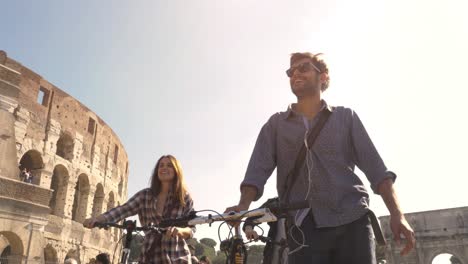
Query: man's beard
(310, 88)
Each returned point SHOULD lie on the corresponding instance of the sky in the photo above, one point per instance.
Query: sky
(198, 79)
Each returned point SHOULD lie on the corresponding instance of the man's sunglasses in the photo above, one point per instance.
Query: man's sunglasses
(304, 67)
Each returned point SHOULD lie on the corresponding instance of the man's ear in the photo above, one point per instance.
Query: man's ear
(323, 77)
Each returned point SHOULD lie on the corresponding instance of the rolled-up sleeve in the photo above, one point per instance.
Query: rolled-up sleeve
(263, 159)
(365, 155)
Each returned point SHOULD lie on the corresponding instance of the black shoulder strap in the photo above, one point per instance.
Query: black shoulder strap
(292, 176)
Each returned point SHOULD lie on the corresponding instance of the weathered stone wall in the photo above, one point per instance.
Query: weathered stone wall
(437, 232)
(70, 151)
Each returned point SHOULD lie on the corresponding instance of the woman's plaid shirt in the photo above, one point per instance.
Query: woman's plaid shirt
(156, 248)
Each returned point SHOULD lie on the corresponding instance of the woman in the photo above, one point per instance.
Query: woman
(167, 198)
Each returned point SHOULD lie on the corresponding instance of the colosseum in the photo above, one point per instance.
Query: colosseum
(78, 165)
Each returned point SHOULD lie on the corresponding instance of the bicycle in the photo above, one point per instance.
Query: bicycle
(234, 248)
(130, 227)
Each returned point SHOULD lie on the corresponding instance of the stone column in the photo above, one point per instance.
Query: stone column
(70, 197)
(44, 178)
(9, 91)
(35, 244)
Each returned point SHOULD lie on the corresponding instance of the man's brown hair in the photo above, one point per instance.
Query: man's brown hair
(317, 61)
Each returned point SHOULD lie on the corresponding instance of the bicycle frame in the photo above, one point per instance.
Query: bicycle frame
(130, 227)
(235, 248)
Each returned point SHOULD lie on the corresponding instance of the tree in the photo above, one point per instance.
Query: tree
(454, 260)
(205, 247)
(209, 242)
(255, 254)
(219, 259)
(199, 250)
(192, 241)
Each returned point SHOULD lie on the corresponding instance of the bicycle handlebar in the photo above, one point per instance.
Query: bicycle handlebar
(130, 225)
(259, 215)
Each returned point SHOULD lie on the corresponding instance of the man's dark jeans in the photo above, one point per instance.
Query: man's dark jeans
(352, 243)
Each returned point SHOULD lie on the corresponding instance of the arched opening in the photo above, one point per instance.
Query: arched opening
(120, 186)
(74, 254)
(98, 200)
(446, 258)
(111, 201)
(32, 162)
(6, 252)
(65, 146)
(13, 250)
(59, 185)
(80, 200)
(50, 255)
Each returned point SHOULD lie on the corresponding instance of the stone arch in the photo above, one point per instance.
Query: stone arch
(74, 254)
(32, 160)
(65, 146)
(59, 185)
(80, 200)
(446, 251)
(98, 200)
(13, 251)
(50, 255)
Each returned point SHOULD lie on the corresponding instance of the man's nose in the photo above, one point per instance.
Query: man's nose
(295, 72)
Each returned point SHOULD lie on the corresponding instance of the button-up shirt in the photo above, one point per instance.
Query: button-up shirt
(157, 248)
(326, 179)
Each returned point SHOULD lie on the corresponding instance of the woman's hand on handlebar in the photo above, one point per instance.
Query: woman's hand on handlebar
(181, 232)
(90, 222)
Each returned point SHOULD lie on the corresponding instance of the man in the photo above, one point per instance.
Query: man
(336, 227)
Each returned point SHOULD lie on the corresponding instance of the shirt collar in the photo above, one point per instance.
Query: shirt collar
(290, 111)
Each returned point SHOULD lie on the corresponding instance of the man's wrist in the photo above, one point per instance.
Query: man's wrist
(244, 205)
(397, 214)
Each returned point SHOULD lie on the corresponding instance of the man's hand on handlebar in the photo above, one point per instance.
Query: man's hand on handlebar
(236, 208)
(250, 233)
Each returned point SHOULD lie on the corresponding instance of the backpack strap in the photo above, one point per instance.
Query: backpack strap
(293, 174)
